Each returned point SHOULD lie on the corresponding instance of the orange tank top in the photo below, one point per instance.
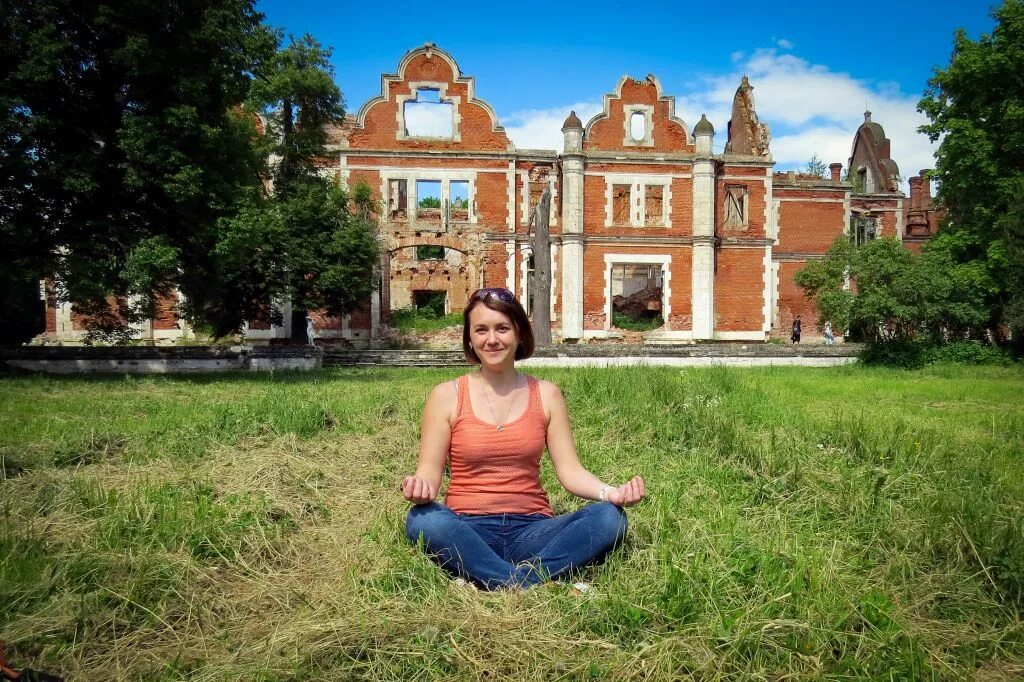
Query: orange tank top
(496, 472)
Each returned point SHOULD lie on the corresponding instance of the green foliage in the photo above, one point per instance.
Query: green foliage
(418, 320)
(896, 295)
(429, 252)
(785, 533)
(642, 324)
(134, 171)
(824, 280)
(976, 108)
(817, 167)
(117, 137)
(429, 202)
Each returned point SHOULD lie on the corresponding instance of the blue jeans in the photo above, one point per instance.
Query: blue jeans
(515, 550)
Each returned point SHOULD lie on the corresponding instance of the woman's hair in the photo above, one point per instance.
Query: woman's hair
(503, 301)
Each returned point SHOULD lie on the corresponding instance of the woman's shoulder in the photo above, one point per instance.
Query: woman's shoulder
(548, 389)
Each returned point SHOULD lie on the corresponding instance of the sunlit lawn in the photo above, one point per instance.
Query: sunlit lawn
(801, 523)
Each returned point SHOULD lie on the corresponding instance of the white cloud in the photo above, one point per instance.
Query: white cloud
(542, 128)
(428, 119)
(810, 109)
(784, 44)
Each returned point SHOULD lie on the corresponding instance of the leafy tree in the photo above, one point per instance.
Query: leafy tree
(429, 202)
(128, 168)
(882, 292)
(817, 167)
(120, 149)
(976, 108)
(307, 241)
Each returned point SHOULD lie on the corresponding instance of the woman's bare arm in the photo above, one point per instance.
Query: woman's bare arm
(435, 439)
(573, 476)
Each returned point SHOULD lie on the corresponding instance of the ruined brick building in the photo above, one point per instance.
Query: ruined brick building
(644, 215)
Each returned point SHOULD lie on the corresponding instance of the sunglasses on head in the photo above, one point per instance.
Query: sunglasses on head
(500, 293)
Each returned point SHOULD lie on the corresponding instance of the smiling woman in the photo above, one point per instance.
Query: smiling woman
(496, 527)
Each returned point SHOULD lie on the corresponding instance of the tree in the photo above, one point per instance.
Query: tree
(816, 167)
(881, 292)
(307, 241)
(976, 108)
(120, 147)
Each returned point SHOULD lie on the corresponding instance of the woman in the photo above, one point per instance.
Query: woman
(496, 527)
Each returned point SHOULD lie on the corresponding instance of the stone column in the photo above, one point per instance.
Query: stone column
(572, 229)
(704, 233)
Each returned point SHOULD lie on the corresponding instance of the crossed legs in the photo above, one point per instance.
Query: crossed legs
(515, 550)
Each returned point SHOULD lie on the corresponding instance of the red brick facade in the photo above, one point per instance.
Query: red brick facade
(645, 216)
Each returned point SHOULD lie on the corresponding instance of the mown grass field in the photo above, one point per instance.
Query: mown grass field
(846, 523)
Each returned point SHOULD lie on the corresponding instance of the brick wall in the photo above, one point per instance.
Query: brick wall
(606, 134)
(739, 290)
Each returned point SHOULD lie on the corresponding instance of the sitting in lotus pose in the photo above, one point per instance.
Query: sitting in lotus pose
(496, 527)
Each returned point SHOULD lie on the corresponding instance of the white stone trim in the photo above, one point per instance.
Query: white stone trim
(847, 213)
(766, 326)
(899, 219)
(774, 288)
(638, 184)
(525, 251)
(442, 98)
(648, 112)
(511, 204)
(673, 176)
(510, 266)
(444, 176)
(664, 260)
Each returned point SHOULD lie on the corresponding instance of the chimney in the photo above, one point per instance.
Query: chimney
(915, 183)
(835, 168)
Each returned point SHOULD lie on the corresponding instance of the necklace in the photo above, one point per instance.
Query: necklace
(501, 424)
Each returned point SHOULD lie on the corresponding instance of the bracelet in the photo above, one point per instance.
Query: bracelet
(603, 495)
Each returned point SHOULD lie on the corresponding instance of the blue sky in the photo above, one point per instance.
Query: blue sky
(814, 65)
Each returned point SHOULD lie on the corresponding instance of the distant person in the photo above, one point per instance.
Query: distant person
(829, 338)
(310, 331)
(797, 328)
(496, 527)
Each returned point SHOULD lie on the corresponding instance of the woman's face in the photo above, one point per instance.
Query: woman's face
(493, 337)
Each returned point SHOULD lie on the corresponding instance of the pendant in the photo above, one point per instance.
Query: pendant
(501, 427)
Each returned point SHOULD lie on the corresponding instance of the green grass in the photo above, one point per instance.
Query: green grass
(412, 320)
(845, 523)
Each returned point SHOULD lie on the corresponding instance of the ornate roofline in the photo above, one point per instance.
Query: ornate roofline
(430, 50)
(617, 94)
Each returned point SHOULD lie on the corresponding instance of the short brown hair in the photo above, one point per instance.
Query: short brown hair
(503, 301)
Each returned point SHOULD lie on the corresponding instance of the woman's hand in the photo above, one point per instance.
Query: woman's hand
(627, 494)
(418, 490)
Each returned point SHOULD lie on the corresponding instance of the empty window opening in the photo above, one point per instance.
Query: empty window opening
(428, 116)
(654, 205)
(398, 199)
(429, 253)
(620, 204)
(735, 206)
(458, 198)
(430, 303)
(428, 201)
(638, 126)
(862, 229)
(637, 291)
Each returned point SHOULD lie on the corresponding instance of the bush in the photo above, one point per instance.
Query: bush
(423, 320)
(917, 354)
(636, 324)
(968, 353)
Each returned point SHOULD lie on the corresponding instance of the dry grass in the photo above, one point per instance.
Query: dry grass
(773, 546)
